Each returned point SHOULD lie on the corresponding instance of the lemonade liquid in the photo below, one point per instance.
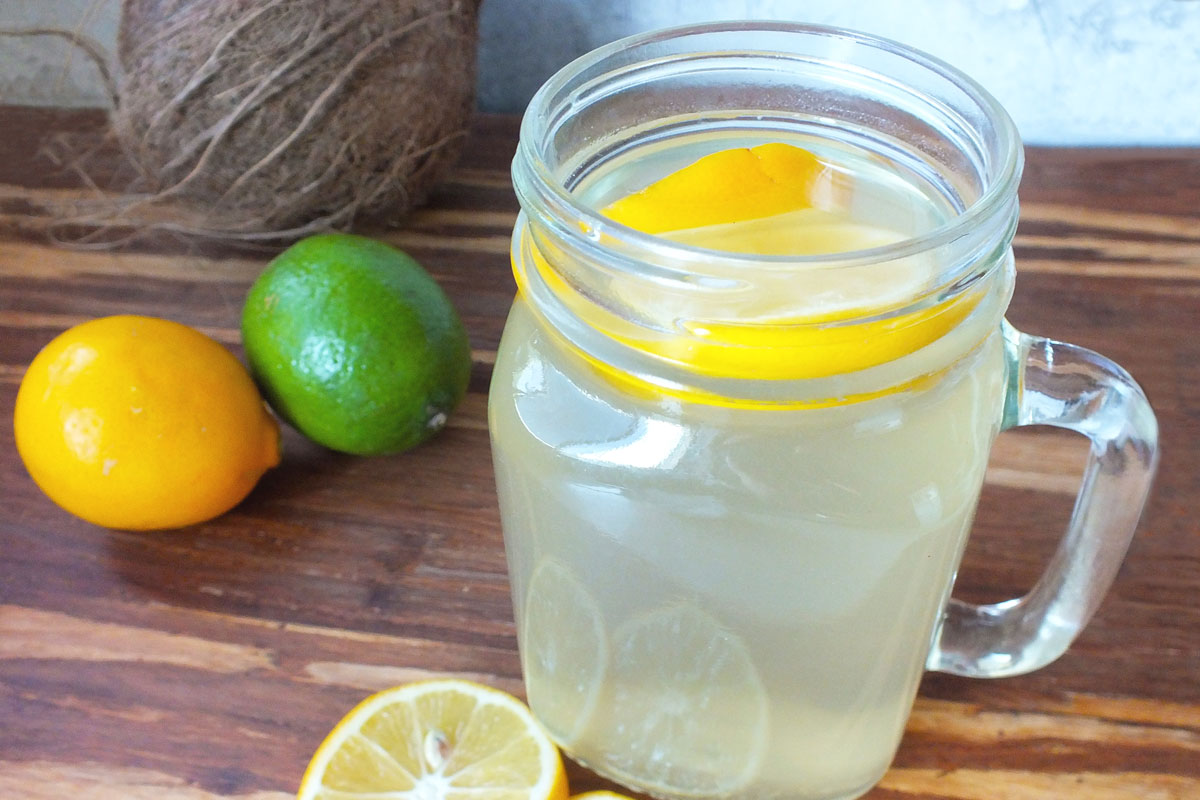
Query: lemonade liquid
(728, 599)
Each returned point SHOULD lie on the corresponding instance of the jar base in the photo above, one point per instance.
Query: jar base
(757, 793)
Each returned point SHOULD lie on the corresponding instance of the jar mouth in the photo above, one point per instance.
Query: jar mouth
(599, 74)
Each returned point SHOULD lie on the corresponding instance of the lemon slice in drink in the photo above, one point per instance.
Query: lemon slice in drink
(725, 187)
(436, 740)
(802, 322)
(686, 712)
(564, 650)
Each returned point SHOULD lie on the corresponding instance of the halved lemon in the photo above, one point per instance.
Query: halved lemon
(564, 650)
(443, 739)
(686, 712)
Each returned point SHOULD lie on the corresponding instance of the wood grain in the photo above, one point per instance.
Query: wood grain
(208, 663)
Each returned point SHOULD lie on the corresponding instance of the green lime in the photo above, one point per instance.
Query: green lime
(355, 345)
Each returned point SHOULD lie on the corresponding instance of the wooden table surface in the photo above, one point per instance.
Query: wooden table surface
(209, 662)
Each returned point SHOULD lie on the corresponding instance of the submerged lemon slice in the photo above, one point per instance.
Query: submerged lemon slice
(564, 650)
(436, 740)
(686, 712)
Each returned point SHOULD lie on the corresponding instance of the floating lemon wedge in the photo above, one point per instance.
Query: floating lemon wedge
(724, 187)
(794, 321)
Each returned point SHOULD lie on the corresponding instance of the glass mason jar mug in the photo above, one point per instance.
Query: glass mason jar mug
(735, 487)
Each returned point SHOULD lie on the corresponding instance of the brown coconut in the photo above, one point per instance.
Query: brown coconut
(275, 118)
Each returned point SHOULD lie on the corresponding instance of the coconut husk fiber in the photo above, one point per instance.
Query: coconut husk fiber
(271, 119)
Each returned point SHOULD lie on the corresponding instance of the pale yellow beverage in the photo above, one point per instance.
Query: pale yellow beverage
(743, 404)
(718, 596)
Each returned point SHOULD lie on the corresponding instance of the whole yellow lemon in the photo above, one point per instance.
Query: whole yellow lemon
(142, 423)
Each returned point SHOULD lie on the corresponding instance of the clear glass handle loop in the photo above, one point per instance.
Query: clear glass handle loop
(1058, 384)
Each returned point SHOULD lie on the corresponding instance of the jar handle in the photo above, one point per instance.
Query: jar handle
(1051, 383)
